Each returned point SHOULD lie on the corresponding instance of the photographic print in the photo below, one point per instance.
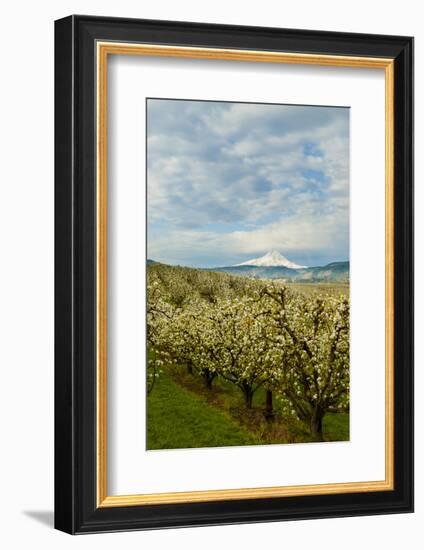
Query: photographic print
(215, 186)
(247, 274)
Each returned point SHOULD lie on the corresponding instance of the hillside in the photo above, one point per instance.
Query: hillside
(333, 272)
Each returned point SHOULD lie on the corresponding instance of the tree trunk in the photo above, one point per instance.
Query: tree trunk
(248, 394)
(316, 424)
(209, 378)
(269, 409)
(249, 399)
(189, 367)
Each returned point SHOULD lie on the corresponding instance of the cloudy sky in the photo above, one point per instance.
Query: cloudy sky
(227, 182)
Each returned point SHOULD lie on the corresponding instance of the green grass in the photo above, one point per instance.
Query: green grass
(177, 418)
(335, 426)
(182, 413)
(228, 398)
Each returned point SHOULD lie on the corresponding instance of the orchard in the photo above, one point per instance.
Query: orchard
(253, 334)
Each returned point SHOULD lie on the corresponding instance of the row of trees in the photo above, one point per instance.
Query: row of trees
(253, 334)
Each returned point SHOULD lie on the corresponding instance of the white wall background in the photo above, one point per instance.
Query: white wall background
(26, 273)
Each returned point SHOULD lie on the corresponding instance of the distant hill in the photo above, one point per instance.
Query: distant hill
(333, 272)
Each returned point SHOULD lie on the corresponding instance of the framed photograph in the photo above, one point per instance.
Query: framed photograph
(234, 274)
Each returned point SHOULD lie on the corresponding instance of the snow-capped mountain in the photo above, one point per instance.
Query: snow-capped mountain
(272, 259)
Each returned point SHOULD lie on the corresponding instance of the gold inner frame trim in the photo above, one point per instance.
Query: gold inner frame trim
(104, 49)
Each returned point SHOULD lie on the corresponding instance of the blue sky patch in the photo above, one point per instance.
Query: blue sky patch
(230, 181)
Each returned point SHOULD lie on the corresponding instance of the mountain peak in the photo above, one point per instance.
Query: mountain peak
(272, 259)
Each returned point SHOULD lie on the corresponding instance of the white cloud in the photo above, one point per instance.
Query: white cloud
(233, 179)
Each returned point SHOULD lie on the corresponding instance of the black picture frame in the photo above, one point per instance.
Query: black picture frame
(76, 510)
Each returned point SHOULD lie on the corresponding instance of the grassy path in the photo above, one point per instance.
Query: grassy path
(178, 418)
(183, 414)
